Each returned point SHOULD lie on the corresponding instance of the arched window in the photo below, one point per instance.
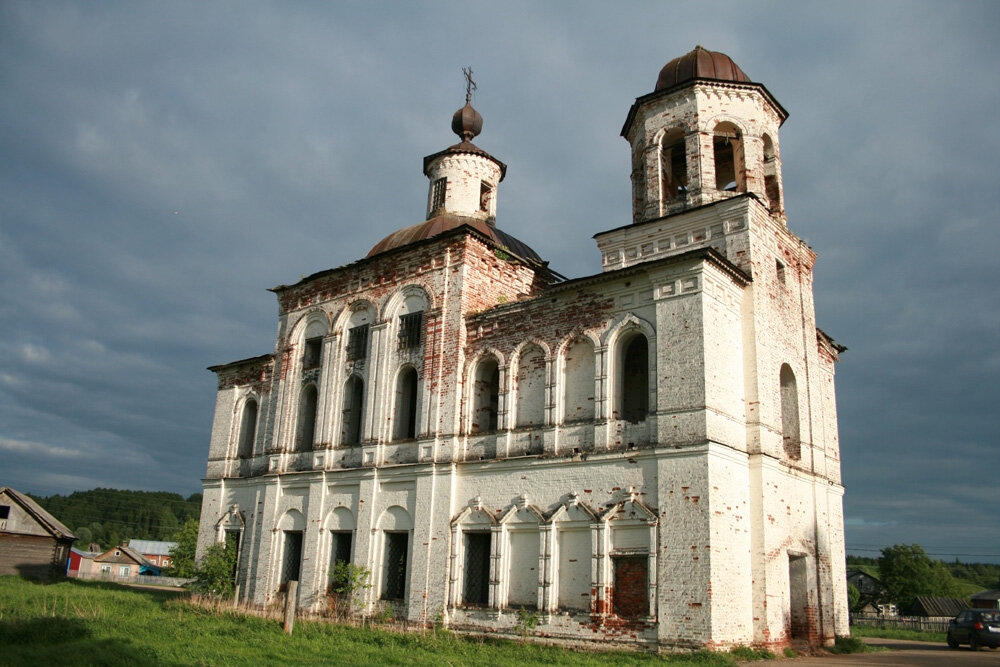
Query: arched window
(248, 429)
(673, 165)
(790, 413)
(578, 385)
(405, 417)
(307, 419)
(771, 186)
(531, 387)
(354, 399)
(485, 396)
(633, 382)
(729, 165)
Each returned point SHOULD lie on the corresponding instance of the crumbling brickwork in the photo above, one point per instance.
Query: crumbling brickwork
(646, 456)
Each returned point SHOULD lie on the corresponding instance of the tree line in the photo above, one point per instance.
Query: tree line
(905, 571)
(108, 517)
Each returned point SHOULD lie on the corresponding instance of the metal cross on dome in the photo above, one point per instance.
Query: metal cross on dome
(470, 85)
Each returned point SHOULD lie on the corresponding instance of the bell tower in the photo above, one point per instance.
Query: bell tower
(706, 133)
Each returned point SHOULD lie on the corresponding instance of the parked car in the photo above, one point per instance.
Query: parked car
(975, 627)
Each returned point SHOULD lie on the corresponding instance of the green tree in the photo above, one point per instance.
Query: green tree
(853, 597)
(214, 573)
(907, 571)
(182, 556)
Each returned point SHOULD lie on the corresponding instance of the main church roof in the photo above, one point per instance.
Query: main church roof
(445, 223)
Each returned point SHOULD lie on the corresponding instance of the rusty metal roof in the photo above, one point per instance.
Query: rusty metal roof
(465, 147)
(700, 64)
(445, 223)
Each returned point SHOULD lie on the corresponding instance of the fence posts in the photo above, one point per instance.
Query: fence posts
(290, 603)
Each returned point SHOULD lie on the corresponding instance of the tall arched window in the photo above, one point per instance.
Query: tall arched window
(729, 164)
(633, 382)
(790, 413)
(578, 381)
(307, 419)
(405, 417)
(531, 387)
(354, 399)
(485, 396)
(673, 165)
(248, 429)
(771, 186)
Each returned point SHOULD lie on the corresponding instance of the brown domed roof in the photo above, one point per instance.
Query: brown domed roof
(467, 123)
(445, 223)
(700, 64)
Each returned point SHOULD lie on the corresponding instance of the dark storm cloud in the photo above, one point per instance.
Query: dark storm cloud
(164, 163)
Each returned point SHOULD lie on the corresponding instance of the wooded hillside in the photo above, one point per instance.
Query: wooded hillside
(108, 516)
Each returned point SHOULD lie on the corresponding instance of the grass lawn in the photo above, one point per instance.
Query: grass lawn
(896, 633)
(93, 623)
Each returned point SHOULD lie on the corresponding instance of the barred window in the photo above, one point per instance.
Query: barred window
(357, 342)
(311, 355)
(437, 193)
(477, 568)
(410, 330)
(394, 585)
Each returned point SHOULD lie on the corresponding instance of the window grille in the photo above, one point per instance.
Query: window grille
(437, 193)
(311, 357)
(395, 566)
(357, 342)
(410, 330)
(477, 568)
(291, 558)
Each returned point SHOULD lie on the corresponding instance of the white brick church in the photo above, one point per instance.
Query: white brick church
(647, 455)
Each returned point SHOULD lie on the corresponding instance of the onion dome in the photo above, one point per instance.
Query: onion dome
(467, 123)
(445, 223)
(700, 64)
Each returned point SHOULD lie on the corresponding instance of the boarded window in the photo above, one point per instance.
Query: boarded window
(531, 387)
(522, 573)
(485, 396)
(578, 391)
(631, 594)
(248, 428)
(394, 576)
(405, 418)
(307, 419)
(312, 355)
(635, 379)
(438, 190)
(574, 569)
(410, 330)
(357, 342)
(477, 568)
(790, 413)
(353, 412)
(291, 557)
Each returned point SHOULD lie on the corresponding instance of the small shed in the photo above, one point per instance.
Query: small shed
(33, 543)
(986, 600)
(937, 607)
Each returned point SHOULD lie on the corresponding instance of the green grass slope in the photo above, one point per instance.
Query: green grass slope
(92, 623)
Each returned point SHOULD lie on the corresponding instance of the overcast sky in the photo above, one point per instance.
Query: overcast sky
(164, 163)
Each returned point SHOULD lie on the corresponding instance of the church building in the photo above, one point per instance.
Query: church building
(643, 456)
